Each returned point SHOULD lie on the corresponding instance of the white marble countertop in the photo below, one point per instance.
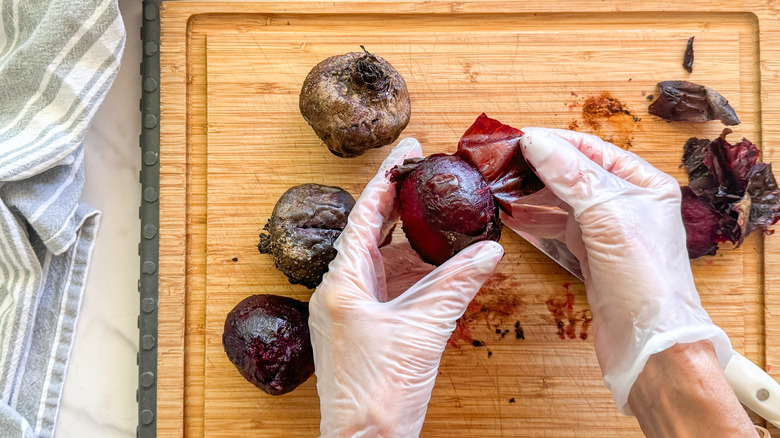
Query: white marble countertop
(99, 395)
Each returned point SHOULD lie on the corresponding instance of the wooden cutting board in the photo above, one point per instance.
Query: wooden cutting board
(232, 141)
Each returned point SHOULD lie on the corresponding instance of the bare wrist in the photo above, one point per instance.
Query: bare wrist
(682, 391)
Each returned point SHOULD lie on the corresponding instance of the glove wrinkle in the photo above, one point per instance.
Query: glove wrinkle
(381, 318)
(623, 224)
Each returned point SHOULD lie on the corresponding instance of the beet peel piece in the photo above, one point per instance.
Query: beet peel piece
(688, 57)
(267, 339)
(493, 148)
(729, 193)
(445, 205)
(684, 101)
(764, 196)
(701, 224)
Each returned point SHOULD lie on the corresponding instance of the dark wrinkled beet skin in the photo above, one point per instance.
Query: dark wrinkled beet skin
(445, 205)
(684, 101)
(729, 193)
(494, 150)
(355, 102)
(305, 222)
(688, 57)
(701, 225)
(267, 339)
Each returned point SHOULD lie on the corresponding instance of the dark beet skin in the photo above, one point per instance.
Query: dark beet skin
(494, 150)
(267, 339)
(355, 102)
(729, 194)
(701, 225)
(445, 205)
(683, 101)
(688, 57)
(305, 222)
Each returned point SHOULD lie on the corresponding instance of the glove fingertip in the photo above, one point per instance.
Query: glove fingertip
(535, 145)
(406, 148)
(482, 257)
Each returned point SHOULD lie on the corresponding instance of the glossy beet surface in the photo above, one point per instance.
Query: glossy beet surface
(445, 205)
(267, 339)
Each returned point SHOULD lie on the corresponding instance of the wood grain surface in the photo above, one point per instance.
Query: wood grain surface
(233, 141)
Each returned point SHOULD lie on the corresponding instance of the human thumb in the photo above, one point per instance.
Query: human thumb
(567, 172)
(441, 297)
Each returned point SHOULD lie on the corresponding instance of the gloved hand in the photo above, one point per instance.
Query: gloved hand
(377, 345)
(621, 218)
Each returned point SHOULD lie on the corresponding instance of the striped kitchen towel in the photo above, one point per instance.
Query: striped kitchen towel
(57, 60)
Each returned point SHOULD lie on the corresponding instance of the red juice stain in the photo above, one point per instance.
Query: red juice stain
(768, 368)
(587, 319)
(461, 334)
(561, 331)
(566, 318)
(709, 262)
(568, 305)
(496, 301)
(571, 329)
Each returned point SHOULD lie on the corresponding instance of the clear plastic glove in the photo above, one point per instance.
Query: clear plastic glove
(621, 218)
(380, 319)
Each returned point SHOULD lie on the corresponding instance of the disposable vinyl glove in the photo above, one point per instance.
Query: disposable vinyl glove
(621, 218)
(379, 324)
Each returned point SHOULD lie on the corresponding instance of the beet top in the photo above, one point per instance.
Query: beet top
(445, 205)
(267, 339)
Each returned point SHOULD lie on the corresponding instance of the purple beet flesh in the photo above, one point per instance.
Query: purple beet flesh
(445, 205)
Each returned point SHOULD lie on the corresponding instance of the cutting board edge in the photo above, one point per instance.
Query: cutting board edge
(170, 380)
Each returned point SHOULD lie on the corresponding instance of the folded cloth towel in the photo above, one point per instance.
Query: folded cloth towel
(57, 60)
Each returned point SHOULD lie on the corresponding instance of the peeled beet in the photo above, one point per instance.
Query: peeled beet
(267, 339)
(445, 205)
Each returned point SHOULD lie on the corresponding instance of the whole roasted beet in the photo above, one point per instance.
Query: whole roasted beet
(355, 102)
(445, 205)
(267, 339)
(305, 222)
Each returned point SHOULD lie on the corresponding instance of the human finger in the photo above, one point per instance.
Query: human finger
(567, 172)
(370, 216)
(441, 297)
(615, 160)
